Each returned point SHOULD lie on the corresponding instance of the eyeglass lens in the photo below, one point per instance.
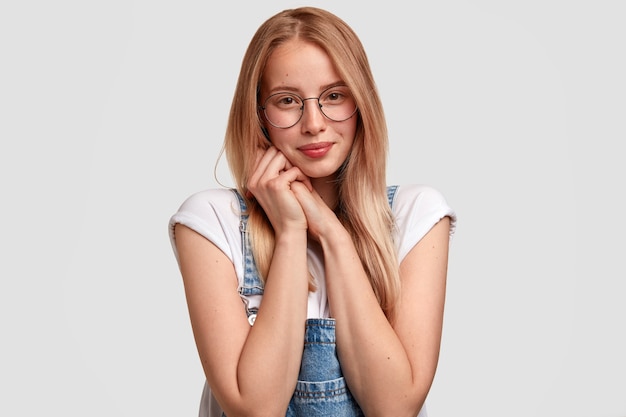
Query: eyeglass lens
(285, 109)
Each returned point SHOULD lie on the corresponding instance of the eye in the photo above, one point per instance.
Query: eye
(284, 101)
(335, 96)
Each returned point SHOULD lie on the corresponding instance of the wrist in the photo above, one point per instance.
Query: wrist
(291, 236)
(335, 238)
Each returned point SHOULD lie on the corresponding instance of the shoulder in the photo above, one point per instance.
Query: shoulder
(213, 213)
(416, 209)
(209, 201)
(418, 197)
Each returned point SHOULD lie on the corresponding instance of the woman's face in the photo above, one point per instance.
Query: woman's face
(315, 144)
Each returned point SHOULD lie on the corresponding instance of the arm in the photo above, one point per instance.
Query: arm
(389, 369)
(251, 370)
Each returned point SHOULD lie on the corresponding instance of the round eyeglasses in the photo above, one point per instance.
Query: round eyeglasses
(285, 109)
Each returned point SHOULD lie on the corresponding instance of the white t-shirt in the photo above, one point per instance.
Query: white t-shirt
(215, 214)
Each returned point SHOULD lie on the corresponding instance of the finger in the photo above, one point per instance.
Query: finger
(305, 197)
(263, 159)
(277, 167)
(303, 178)
(294, 174)
(301, 191)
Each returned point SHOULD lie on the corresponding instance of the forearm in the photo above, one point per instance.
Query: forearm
(373, 359)
(270, 360)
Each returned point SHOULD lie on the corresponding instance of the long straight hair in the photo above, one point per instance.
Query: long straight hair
(363, 206)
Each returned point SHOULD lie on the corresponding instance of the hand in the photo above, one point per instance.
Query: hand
(321, 220)
(271, 183)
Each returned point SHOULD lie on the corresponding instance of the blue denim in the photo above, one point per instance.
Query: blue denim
(321, 389)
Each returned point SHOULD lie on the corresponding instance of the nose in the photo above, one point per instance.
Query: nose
(313, 121)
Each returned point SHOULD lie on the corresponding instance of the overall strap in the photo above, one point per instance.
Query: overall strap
(391, 194)
(243, 218)
(252, 283)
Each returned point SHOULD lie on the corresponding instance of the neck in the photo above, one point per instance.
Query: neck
(327, 189)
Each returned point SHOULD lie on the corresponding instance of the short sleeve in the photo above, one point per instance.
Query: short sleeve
(417, 208)
(214, 214)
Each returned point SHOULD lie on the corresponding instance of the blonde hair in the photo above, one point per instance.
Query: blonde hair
(363, 207)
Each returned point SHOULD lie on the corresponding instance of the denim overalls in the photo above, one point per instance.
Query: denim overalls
(321, 389)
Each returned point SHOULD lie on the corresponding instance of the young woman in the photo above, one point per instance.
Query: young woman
(313, 288)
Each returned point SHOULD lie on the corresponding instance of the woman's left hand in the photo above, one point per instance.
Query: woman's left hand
(321, 220)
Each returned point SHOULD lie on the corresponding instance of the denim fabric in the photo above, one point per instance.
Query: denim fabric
(252, 284)
(321, 389)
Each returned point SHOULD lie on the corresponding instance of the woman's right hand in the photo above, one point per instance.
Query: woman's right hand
(270, 184)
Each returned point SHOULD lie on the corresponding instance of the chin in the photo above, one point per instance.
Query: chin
(321, 173)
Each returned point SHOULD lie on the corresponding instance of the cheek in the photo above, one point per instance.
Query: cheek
(349, 132)
(279, 137)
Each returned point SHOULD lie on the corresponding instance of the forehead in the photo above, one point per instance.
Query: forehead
(299, 65)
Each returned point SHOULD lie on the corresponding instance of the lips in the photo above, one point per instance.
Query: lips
(316, 150)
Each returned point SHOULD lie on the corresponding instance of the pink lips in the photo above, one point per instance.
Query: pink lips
(316, 150)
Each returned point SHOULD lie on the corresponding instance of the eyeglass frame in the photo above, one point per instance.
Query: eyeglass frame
(319, 106)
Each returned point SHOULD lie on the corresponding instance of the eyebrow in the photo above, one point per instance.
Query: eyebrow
(297, 90)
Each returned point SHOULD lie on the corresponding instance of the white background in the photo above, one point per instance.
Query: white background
(112, 112)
